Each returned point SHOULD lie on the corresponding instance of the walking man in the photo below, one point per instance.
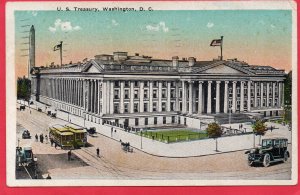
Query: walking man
(98, 152)
(69, 155)
(36, 138)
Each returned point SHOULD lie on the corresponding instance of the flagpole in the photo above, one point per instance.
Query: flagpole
(221, 47)
(61, 53)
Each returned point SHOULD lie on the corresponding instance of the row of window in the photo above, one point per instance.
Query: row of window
(146, 83)
(146, 122)
(136, 107)
(136, 94)
(238, 102)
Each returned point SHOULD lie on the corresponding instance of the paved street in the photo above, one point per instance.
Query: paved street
(115, 163)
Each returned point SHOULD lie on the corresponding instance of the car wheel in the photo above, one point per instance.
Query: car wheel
(267, 160)
(286, 156)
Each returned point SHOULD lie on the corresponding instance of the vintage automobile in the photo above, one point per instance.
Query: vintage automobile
(271, 150)
(24, 156)
(26, 134)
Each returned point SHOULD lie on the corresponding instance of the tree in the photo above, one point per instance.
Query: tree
(23, 88)
(259, 128)
(288, 89)
(214, 131)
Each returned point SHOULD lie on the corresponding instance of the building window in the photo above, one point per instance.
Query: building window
(136, 122)
(276, 101)
(270, 102)
(126, 91)
(164, 93)
(238, 90)
(258, 91)
(117, 83)
(173, 119)
(180, 94)
(136, 83)
(116, 108)
(155, 83)
(172, 106)
(154, 93)
(155, 120)
(154, 106)
(146, 121)
(145, 107)
(230, 103)
(136, 107)
(163, 106)
(117, 122)
(145, 83)
(252, 103)
(173, 84)
(258, 102)
(180, 105)
(136, 94)
(145, 94)
(164, 120)
(264, 102)
(230, 91)
(126, 83)
(126, 108)
(265, 91)
(164, 83)
(126, 122)
(172, 93)
(116, 94)
(238, 102)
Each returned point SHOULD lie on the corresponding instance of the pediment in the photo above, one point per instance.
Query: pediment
(92, 67)
(222, 69)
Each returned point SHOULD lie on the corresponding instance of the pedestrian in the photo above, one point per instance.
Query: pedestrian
(241, 126)
(46, 138)
(51, 141)
(48, 177)
(36, 138)
(98, 152)
(111, 131)
(41, 138)
(69, 155)
(271, 128)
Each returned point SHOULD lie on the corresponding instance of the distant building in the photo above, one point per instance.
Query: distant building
(141, 91)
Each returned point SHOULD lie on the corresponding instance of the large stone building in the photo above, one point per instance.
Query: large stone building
(141, 91)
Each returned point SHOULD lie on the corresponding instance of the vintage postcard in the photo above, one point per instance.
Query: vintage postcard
(151, 93)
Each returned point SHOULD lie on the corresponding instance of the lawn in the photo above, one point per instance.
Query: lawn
(170, 136)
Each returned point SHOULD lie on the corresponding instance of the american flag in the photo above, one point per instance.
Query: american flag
(216, 42)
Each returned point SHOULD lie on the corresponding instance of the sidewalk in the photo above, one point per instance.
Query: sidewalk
(187, 148)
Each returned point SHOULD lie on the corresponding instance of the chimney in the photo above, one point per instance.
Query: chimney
(137, 54)
(192, 61)
(175, 60)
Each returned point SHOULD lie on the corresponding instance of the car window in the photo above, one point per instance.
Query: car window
(277, 143)
(267, 143)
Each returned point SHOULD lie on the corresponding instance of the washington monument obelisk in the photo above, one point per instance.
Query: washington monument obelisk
(31, 60)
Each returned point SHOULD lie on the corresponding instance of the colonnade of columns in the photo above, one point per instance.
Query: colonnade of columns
(205, 96)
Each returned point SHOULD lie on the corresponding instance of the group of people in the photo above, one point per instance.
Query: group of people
(41, 138)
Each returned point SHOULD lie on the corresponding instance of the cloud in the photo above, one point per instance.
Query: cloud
(114, 22)
(161, 26)
(210, 25)
(64, 26)
(273, 26)
(34, 13)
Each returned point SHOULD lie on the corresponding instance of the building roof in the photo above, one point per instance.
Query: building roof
(121, 62)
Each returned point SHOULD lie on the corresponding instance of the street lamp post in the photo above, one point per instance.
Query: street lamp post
(35, 167)
(230, 110)
(141, 138)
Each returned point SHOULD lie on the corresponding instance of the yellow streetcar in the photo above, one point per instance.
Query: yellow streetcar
(61, 136)
(80, 135)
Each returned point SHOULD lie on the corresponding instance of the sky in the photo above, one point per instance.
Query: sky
(259, 37)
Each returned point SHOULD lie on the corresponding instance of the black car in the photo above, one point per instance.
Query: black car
(271, 150)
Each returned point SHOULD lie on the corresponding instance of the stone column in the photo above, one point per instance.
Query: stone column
(226, 97)
(255, 94)
(282, 99)
(233, 96)
(111, 102)
(107, 97)
(122, 97)
(150, 96)
(104, 97)
(261, 94)
(95, 97)
(176, 96)
(249, 97)
(242, 96)
(99, 97)
(92, 95)
(209, 97)
(159, 95)
(183, 97)
(142, 96)
(131, 96)
(190, 97)
(218, 96)
(200, 98)
(268, 96)
(273, 94)
(169, 96)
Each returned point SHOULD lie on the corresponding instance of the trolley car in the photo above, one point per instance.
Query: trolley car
(61, 136)
(80, 135)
